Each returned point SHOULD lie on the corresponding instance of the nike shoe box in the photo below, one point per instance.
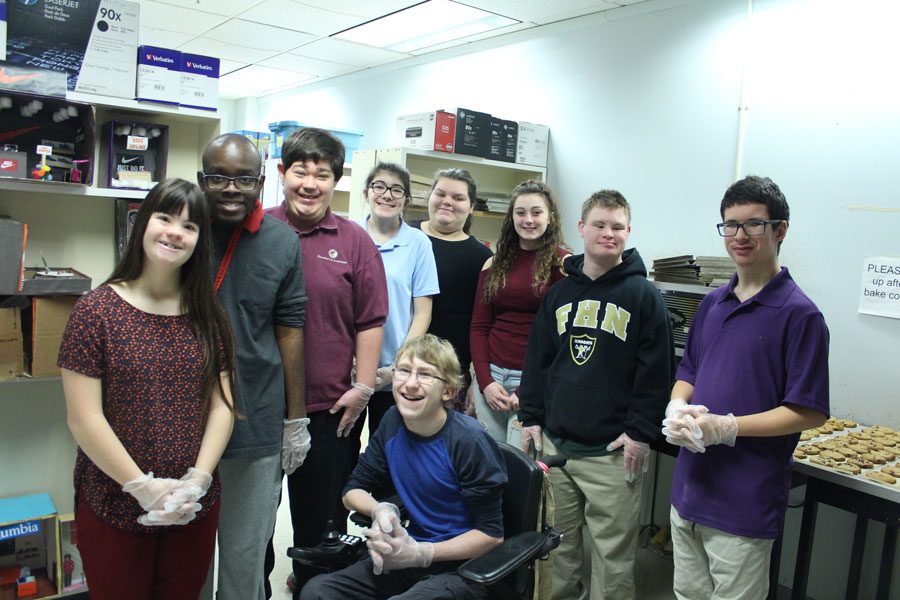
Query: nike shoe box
(136, 154)
(199, 81)
(158, 75)
(92, 41)
(434, 130)
(65, 128)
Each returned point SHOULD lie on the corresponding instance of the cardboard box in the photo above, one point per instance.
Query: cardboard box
(49, 315)
(428, 131)
(12, 352)
(92, 41)
(137, 154)
(533, 144)
(473, 133)
(504, 140)
(29, 537)
(12, 255)
(158, 75)
(199, 81)
(36, 284)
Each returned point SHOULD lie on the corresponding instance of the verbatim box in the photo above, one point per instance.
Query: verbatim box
(533, 143)
(92, 41)
(199, 81)
(136, 154)
(158, 75)
(473, 133)
(504, 139)
(427, 131)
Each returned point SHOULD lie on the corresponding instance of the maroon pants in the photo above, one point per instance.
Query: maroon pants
(168, 564)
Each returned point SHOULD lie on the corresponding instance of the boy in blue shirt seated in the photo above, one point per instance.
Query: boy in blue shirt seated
(448, 472)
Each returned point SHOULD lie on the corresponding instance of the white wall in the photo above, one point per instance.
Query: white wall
(645, 99)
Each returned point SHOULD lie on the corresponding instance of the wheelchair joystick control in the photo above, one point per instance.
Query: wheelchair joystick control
(331, 537)
(335, 551)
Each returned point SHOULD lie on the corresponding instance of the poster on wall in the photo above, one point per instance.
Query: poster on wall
(879, 293)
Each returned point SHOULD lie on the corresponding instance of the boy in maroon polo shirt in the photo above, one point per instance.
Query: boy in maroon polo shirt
(346, 311)
(754, 374)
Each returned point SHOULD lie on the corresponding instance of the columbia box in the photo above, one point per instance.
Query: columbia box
(92, 41)
(427, 131)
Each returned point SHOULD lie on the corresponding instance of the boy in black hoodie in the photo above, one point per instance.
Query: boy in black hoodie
(596, 380)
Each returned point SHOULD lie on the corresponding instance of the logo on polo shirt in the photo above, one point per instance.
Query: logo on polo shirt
(332, 254)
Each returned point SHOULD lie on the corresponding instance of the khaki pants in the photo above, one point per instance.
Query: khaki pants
(592, 498)
(713, 565)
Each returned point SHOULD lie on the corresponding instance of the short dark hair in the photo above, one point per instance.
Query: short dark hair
(399, 171)
(753, 189)
(457, 174)
(311, 143)
(605, 199)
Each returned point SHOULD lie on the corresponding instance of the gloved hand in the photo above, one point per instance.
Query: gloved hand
(150, 492)
(352, 402)
(193, 485)
(384, 377)
(386, 517)
(636, 455)
(718, 429)
(295, 444)
(680, 425)
(531, 435)
(178, 515)
(399, 551)
(496, 397)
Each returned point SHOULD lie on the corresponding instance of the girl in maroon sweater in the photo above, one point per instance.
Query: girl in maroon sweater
(511, 286)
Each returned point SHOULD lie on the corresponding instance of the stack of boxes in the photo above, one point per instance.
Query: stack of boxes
(475, 134)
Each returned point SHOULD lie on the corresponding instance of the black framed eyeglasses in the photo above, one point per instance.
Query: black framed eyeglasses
(398, 192)
(753, 228)
(424, 378)
(243, 183)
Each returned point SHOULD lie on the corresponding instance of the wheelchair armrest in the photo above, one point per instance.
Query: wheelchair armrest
(497, 563)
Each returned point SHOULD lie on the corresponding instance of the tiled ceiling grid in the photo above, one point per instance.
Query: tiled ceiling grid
(270, 45)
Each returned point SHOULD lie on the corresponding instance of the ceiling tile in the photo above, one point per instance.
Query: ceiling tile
(543, 12)
(305, 64)
(475, 37)
(248, 34)
(228, 8)
(173, 18)
(362, 8)
(301, 17)
(208, 47)
(162, 38)
(348, 53)
(258, 81)
(230, 66)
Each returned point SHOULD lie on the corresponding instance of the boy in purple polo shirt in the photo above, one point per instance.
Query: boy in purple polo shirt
(754, 374)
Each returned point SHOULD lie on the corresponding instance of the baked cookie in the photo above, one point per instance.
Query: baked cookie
(881, 477)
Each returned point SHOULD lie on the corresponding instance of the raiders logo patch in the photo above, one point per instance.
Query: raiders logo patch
(581, 347)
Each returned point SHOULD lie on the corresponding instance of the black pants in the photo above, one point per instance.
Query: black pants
(379, 404)
(437, 582)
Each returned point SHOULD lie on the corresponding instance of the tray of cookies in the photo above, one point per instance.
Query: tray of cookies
(870, 456)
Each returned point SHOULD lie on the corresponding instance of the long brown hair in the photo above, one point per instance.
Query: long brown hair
(208, 318)
(548, 257)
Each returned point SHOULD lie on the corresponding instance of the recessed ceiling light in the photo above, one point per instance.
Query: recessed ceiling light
(423, 25)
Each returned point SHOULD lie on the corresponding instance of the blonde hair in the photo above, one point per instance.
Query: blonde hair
(438, 353)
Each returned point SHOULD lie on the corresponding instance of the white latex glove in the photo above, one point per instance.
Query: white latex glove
(182, 503)
(496, 397)
(513, 402)
(718, 429)
(680, 425)
(384, 376)
(180, 515)
(150, 492)
(400, 551)
(353, 402)
(636, 455)
(386, 517)
(295, 444)
(470, 401)
(531, 435)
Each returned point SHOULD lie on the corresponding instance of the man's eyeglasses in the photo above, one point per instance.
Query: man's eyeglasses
(398, 192)
(753, 228)
(424, 378)
(217, 183)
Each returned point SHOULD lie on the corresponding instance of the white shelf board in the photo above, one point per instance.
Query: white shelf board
(465, 158)
(177, 113)
(67, 189)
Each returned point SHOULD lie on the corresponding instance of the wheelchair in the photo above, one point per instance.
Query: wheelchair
(508, 571)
